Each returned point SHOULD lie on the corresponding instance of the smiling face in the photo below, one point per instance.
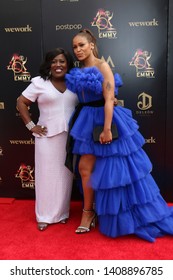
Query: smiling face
(82, 47)
(59, 66)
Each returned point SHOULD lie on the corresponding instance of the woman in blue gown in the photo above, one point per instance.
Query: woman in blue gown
(115, 174)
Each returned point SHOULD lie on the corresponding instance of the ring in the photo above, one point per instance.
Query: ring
(42, 127)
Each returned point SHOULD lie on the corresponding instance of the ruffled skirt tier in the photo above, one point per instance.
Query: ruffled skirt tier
(128, 200)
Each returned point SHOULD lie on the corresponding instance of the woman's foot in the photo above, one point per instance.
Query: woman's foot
(64, 221)
(88, 221)
(42, 226)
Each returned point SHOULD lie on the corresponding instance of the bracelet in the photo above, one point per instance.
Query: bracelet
(30, 125)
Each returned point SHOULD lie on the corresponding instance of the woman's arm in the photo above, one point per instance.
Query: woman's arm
(22, 105)
(108, 94)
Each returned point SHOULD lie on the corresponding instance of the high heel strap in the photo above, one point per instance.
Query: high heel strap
(84, 210)
(82, 228)
(93, 223)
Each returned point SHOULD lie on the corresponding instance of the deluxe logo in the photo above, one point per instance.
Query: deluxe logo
(25, 174)
(17, 65)
(102, 21)
(146, 101)
(18, 29)
(144, 104)
(140, 61)
(68, 27)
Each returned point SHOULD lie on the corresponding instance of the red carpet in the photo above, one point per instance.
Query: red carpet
(6, 200)
(20, 239)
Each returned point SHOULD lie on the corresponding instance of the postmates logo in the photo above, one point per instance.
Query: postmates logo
(25, 174)
(102, 21)
(17, 64)
(141, 61)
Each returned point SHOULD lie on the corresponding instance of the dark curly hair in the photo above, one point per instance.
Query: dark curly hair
(44, 69)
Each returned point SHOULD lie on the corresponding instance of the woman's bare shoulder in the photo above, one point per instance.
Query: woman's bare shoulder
(103, 67)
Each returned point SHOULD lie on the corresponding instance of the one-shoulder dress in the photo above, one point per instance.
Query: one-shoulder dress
(127, 198)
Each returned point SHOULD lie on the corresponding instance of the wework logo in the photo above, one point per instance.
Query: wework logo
(18, 29)
(152, 23)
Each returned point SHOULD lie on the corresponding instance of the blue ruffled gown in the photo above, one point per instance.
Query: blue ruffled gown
(127, 199)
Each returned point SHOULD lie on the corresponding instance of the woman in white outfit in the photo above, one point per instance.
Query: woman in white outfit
(53, 181)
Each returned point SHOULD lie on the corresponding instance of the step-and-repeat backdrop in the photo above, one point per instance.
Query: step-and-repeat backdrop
(133, 36)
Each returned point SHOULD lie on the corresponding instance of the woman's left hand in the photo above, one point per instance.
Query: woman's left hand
(40, 130)
(105, 137)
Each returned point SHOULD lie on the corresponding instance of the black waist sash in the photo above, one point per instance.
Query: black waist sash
(69, 161)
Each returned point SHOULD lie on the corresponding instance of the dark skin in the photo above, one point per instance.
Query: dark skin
(58, 70)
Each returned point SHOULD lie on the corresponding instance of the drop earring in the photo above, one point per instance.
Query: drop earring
(49, 74)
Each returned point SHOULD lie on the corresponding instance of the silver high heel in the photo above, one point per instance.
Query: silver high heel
(63, 221)
(42, 226)
(84, 229)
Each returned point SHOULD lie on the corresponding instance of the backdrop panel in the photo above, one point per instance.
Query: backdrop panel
(128, 34)
(168, 190)
(132, 37)
(21, 51)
